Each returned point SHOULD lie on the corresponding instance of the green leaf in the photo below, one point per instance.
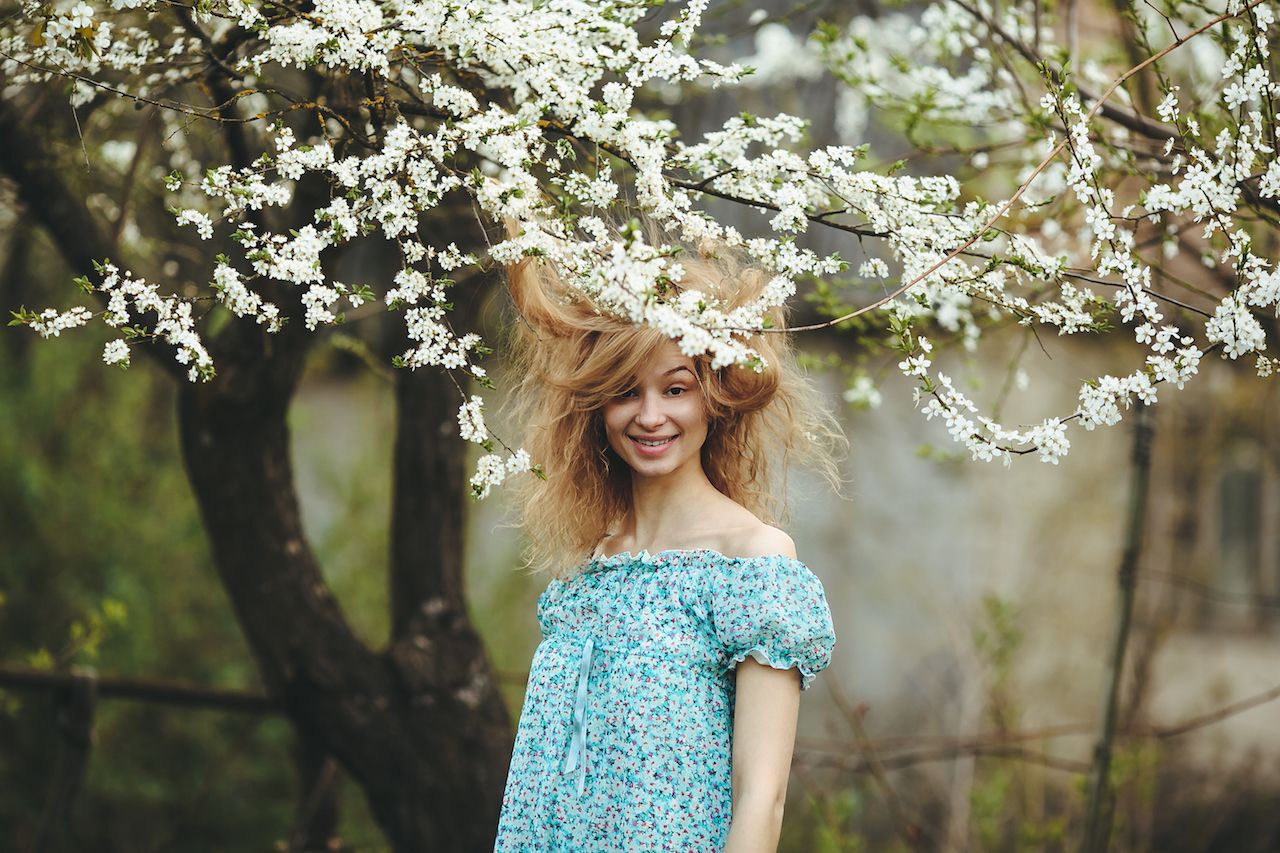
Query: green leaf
(114, 611)
(42, 659)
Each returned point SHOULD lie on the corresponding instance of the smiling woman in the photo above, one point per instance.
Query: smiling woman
(581, 368)
(659, 425)
(680, 625)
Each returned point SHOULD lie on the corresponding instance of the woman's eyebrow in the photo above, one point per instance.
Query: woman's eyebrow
(674, 369)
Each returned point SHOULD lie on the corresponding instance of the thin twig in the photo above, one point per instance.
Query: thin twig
(1211, 717)
(1204, 590)
(859, 764)
(1069, 273)
(906, 829)
(898, 752)
(1096, 829)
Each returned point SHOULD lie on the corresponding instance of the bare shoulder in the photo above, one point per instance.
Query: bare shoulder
(744, 534)
(766, 540)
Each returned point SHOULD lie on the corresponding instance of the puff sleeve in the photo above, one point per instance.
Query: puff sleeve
(774, 609)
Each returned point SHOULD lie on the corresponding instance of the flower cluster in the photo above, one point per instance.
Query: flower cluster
(939, 72)
(538, 100)
(491, 470)
(130, 299)
(50, 322)
(243, 302)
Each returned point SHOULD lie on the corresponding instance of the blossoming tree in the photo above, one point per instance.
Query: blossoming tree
(291, 132)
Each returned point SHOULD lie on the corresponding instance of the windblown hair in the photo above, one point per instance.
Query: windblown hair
(571, 360)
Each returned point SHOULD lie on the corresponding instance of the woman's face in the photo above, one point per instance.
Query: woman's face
(659, 425)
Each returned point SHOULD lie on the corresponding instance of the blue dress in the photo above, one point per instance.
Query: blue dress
(625, 737)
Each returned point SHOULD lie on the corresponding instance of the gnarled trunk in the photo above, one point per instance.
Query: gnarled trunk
(421, 726)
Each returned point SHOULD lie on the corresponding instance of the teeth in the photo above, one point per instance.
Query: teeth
(651, 443)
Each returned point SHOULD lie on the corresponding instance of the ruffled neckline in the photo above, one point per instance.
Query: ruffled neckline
(644, 557)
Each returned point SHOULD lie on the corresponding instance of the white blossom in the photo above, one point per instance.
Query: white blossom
(471, 420)
(51, 322)
(863, 393)
(1237, 329)
(116, 352)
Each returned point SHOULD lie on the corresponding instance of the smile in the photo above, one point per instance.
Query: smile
(655, 443)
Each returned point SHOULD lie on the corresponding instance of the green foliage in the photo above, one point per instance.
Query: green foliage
(23, 316)
(1008, 802)
(84, 637)
(989, 804)
(833, 832)
(106, 566)
(997, 638)
(1135, 766)
(942, 455)
(828, 822)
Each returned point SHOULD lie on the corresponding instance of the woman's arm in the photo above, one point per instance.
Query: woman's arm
(764, 734)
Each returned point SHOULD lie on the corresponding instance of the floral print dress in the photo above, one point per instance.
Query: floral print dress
(625, 737)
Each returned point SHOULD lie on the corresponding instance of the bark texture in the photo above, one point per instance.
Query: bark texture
(421, 727)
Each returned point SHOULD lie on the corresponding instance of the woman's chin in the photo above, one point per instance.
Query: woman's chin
(657, 468)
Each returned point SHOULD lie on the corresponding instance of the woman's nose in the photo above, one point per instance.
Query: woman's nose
(651, 413)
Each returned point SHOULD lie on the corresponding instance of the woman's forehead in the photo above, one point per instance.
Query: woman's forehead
(666, 360)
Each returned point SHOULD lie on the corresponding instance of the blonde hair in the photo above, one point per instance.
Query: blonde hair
(571, 360)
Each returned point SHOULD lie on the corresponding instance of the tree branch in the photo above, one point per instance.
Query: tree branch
(79, 237)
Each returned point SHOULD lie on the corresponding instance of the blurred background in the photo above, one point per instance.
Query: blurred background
(974, 604)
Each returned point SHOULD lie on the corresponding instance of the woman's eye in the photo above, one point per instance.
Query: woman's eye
(677, 389)
(627, 393)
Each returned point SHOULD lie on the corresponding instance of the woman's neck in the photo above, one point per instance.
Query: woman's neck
(666, 511)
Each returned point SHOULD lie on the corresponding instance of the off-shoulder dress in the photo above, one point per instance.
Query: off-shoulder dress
(624, 740)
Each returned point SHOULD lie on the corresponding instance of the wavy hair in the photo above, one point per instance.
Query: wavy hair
(570, 360)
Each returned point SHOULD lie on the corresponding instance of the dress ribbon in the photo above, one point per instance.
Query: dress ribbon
(578, 741)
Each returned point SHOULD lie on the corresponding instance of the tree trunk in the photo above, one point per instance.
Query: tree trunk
(430, 491)
(422, 727)
(316, 812)
(428, 518)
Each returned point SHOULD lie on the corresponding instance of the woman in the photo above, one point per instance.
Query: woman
(679, 627)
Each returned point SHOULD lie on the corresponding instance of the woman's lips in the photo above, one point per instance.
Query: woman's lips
(651, 451)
